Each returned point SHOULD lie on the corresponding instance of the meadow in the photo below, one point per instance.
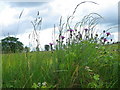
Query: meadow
(86, 59)
(86, 67)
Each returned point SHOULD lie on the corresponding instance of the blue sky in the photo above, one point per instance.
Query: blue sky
(51, 12)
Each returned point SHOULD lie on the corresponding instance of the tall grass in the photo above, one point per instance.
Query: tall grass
(82, 65)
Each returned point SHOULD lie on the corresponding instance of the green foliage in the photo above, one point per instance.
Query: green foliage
(46, 47)
(81, 65)
(35, 85)
(11, 45)
(96, 77)
(27, 49)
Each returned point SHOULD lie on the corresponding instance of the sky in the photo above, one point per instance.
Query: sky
(51, 11)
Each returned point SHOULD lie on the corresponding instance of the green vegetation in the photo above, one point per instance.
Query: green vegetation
(84, 65)
(11, 45)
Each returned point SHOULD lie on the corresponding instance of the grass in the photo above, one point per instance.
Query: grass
(81, 65)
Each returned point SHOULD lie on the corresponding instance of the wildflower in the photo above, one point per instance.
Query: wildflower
(39, 84)
(51, 44)
(44, 83)
(108, 33)
(86, 29)
(86, 67)
(71, 30)
(62, 37)
(96, 47)
(105, 39)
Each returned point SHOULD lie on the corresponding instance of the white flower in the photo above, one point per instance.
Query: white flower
(86, 67)
(39, 84)
(96, 47)
(44, 83)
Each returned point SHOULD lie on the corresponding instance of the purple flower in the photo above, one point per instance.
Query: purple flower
(71, 30)
(86, 29)
(62, 37)
(51, 44)
(108, 33)
(105, 39)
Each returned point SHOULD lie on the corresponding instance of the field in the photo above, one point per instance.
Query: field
(84, 65)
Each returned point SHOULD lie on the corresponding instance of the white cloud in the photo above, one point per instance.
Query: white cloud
(7, 16)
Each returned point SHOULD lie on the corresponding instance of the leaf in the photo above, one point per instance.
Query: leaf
(96, 77)
(89, 70)
(34, 85)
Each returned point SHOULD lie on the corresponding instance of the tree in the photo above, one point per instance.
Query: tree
(46, 47)
(27, 49)
(11, 45)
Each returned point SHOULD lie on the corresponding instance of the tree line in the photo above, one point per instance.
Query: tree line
(12, 45)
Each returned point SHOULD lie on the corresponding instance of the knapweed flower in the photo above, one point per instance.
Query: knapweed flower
(105, 39)
(71, 30)
(51, 44)
(108, 33)
(62, 37)
(86, 29)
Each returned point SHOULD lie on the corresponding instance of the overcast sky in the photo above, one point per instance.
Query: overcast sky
(51, 12)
